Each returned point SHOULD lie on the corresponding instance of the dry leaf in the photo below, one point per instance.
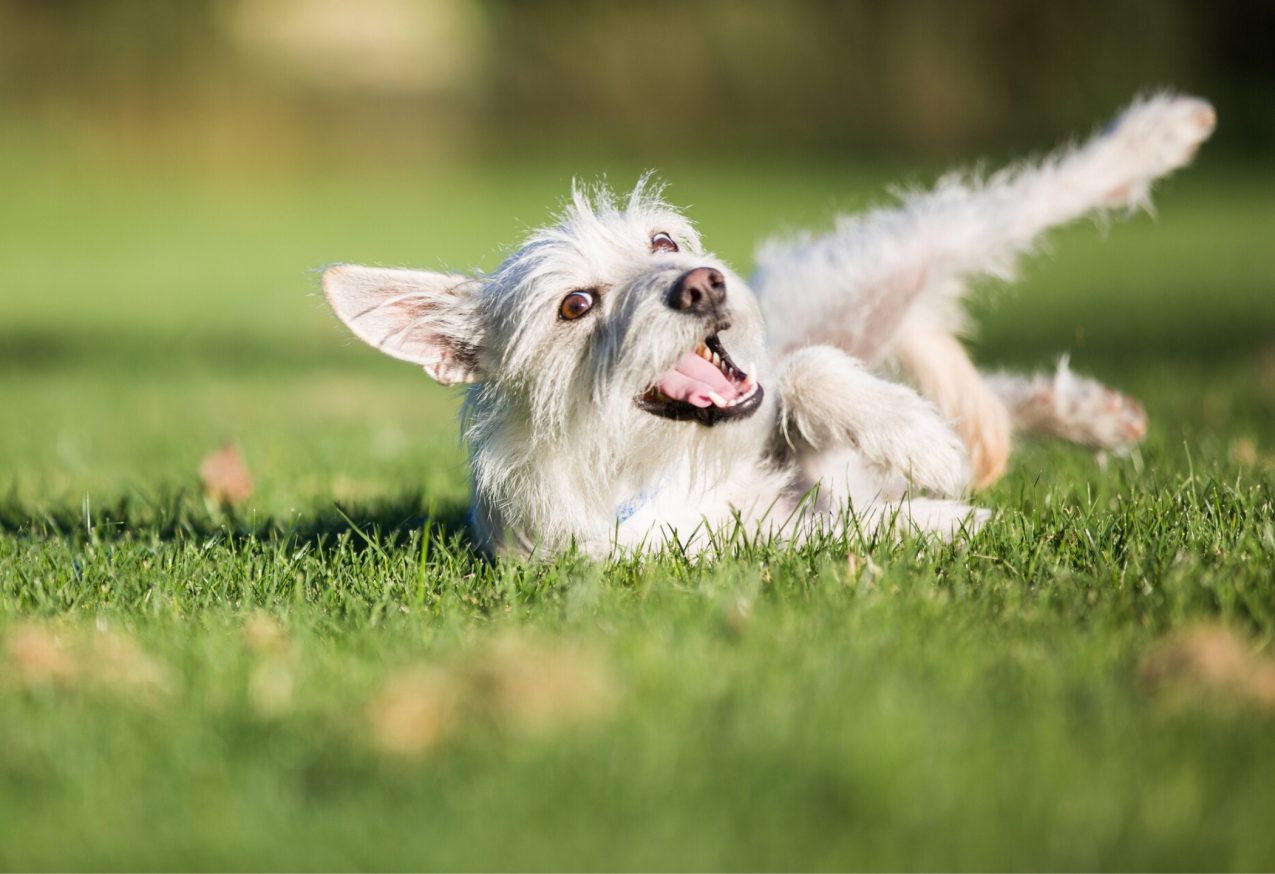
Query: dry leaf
(529, 687)
(510, 685)
(106, 660)
(263, 634)
(1210, 659)
(1244, 451)
(115, 660)
(37, 657)
(412, 712)
(225, 476)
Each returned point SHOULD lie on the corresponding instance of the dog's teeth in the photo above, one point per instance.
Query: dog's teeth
(718, 400)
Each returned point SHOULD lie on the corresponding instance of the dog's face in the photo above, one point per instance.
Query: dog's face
(613, 312)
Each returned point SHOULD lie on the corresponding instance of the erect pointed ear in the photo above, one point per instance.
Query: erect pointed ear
(430, 319)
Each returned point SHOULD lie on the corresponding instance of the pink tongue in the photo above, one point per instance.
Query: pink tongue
(692, 379)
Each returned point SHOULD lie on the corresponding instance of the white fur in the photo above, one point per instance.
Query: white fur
(1071, 407)
(887, 286)
(562, 453)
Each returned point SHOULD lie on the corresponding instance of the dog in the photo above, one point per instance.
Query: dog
(629, 393)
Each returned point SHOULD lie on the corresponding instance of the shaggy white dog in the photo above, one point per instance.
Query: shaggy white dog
(630, 392)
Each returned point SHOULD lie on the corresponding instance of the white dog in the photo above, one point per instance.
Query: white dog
(630, 392)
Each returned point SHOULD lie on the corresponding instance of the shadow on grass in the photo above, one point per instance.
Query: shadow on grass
(187, 516)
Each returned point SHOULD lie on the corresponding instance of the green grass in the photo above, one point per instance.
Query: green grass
(186, 687)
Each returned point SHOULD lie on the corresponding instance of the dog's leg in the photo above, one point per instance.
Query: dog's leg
(889, 284)
(1072, 407)
(857, 286)
(988, 409)
(828, 401)
(841, 488)
(945, 374)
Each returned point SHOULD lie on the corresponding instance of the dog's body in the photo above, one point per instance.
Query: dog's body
(630, 392)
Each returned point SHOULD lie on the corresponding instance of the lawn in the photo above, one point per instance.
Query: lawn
(325, 677)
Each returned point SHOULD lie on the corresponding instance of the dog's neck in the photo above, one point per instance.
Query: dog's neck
(540, 490)
(629, 508)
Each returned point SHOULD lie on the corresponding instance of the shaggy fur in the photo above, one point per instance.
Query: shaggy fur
(566, 447)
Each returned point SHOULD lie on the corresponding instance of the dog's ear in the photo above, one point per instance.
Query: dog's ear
(430, 319)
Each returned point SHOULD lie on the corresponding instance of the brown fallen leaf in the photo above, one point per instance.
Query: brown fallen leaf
(37, 656)
(522, 685)
(272, 680)
(1210, 659)
(116, 662)
(508, 685)
(1244, 451)
(225, 476)
(413, 711)
(263, 634)
(104, 660)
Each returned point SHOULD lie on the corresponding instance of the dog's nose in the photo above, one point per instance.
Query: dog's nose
(698, 291)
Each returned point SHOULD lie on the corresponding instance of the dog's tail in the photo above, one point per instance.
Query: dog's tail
(859, 286)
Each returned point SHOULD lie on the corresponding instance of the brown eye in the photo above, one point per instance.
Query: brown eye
(576, 304)
(662, 242)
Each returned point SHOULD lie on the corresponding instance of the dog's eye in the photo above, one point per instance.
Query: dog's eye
(576, 304)
(662, 242)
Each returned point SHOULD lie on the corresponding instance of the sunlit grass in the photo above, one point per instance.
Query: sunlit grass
(327, 677)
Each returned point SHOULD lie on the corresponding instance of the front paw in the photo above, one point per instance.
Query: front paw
(919, 444)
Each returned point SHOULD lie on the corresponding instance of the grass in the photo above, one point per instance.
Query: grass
(327, 678)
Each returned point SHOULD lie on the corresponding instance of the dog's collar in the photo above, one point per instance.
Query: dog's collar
(627, 510)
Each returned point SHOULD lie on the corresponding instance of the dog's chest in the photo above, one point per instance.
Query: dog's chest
(681, 503)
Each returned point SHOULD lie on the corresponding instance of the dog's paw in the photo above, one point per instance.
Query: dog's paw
(916, 442)
(1159, 135)
(942, 468)
(1087, 412)
(944, 519)
(1107, 419)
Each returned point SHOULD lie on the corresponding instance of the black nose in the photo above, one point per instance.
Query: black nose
(698, 291)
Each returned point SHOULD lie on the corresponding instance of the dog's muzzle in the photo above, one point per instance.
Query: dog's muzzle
(705, 385)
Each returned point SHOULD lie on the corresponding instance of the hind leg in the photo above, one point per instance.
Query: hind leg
(944, 373)
(987, 410)
(1074, 408)
(863, 282)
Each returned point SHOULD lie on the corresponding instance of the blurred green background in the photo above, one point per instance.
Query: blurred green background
(412, 78)
(172, 174)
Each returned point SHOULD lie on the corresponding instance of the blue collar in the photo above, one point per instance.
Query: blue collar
(626, 511)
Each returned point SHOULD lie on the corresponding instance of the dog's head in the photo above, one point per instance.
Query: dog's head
(615, 311)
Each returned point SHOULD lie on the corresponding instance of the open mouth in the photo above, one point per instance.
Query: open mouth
(705, 386)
